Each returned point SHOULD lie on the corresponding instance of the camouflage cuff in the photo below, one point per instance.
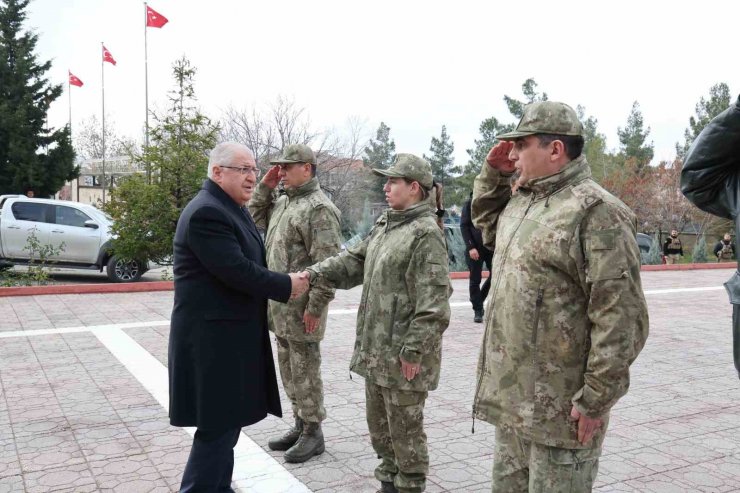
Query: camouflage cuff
(312, 275)
(410, 356)
(578, 403)
(491, 174)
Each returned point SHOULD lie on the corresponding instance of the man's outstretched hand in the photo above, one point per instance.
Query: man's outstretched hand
(298, 284)
(498, 157)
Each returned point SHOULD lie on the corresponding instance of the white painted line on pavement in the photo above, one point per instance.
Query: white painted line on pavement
(254, 469)
(352, 311)
(83, 328)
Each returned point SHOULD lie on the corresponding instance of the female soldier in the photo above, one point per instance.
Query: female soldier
(404, 309)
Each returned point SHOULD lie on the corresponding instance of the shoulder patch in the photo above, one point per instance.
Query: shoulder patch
(588, 193)
(604, 240)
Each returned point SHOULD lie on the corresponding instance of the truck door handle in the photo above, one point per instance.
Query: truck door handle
(14, 227)
(56, 231)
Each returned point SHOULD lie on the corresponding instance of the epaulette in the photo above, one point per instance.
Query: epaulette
(588, 193)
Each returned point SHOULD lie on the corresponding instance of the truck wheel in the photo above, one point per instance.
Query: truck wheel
(122, 270)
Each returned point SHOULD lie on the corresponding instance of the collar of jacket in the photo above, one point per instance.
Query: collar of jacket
(573, 172)
(309, 187)
(214, 189)
(396, 218)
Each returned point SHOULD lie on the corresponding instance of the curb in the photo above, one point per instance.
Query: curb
(140, 287)
(124, 287)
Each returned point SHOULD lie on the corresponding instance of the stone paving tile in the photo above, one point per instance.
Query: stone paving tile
(68, 479)
(12, 484)
(9, 463)
(130, 474)
(39, 452)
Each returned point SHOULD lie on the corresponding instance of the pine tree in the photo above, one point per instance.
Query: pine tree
(379, 153)
(706, 109)
(146, 213)
(633, 137)
(529, 89)
(441, 159)
(32, 156)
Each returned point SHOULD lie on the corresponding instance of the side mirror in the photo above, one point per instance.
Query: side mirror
(91, 224)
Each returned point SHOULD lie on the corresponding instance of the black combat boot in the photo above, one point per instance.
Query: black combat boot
(387, 487)
(289, 437)
(478, 316)
(310, 443)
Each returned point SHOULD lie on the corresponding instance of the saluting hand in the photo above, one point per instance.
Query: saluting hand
(498, 157)
(271, 178)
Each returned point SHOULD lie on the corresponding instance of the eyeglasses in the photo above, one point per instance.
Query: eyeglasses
(243, 170)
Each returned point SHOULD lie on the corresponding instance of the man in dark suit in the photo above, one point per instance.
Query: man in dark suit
(221, 371)
(476, 254)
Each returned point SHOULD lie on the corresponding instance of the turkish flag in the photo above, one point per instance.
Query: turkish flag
(154, 18)
(107, 57)
(74, 80)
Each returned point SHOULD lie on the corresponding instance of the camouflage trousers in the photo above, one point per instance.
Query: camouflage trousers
(395, 419)
(300, 371)
(520, 465)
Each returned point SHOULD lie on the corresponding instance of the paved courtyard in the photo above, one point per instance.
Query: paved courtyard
(83, 395)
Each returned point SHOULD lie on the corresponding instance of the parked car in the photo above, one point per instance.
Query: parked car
(82, 230)
(644, 243)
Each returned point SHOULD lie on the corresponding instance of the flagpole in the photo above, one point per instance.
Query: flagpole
(146, 96)
(69, 94)
(102, 76)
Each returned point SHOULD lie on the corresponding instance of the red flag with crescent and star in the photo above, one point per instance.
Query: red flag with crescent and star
(107, 57)
(74, 80)
(154, 18)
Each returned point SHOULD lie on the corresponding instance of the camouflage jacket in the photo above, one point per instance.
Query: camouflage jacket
(566, 313)
(302, 229)
(404, 309)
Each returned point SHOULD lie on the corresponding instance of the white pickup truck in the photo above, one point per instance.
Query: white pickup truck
(82, 230)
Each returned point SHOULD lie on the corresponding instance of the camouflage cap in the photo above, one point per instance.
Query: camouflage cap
(296, 153)
(411, 167)
(546, 117)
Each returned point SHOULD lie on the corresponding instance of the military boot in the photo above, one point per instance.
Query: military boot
(310, 443)
(289, 437)
(387, 487)
(478, 316)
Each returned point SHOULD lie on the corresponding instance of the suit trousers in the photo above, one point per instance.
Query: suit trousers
(478, 294)
(211, 462)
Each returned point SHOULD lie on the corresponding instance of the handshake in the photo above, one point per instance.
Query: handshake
(299, 283)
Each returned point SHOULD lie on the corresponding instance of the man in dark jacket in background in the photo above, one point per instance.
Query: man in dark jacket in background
(221, 372)
(475, 255)
(711, 180)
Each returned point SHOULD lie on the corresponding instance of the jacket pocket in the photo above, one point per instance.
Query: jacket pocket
(535, 325)
(573, 470)
(392, 336)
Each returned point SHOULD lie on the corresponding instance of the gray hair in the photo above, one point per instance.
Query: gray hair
(225, 154)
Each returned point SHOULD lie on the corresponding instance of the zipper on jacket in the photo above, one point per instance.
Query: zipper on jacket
(488, 317)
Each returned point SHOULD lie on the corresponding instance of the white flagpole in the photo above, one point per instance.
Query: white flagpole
(146, 93)
(102, 76)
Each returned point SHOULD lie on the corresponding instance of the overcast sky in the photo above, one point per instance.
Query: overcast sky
(414, 64)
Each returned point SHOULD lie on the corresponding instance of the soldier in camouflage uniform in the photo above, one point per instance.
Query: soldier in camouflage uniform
(566, 313)
(302, 229)
(404, 309)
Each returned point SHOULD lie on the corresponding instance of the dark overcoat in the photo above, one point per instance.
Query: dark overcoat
(710, 178)
(221, 371)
